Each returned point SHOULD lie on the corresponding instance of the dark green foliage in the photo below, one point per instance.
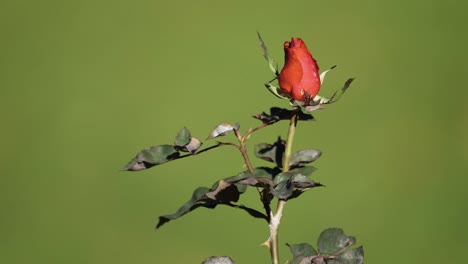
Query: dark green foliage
(222, 192)
(303, 157)
(333, 244)
(275, 153)
(274, 182)
(290, 185)
(300, 251)
(286, 180)
(193, 203)
(333, 240)
(333, 248)
(157, 155)
(337, 95)
(185, 142)
(278, 114)
(303, 249)
(182, 138)
(284, 185)
(226, 192)
(354, 256)
(152, 156)
(271, 152)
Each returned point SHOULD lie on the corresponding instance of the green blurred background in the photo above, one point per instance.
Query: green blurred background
(87, 84)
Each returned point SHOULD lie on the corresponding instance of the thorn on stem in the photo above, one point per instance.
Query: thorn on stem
(266, 244)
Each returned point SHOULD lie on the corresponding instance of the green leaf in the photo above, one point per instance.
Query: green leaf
(223, 192)
(303, 249)
(272, 153)
(337, 95)
(300, 252)
(185, 142)
(300, 179)
(306, 170)
(333, 248)
(240, 176)
(265, 172)
(302, 188)
(346, 85)
(241, 188)
(333, 240)
(250, 211)
(262, 178)
(354, 256)
(283, 190)
(259, 172)
(290, 185)
(310, 260)
(283, 176)
(152, 156)
(182, 138)
(304, 156)
(192, 204)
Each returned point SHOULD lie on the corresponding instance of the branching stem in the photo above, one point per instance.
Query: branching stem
(263, 193)
(251, 131)
(243, 149)
(274, 218)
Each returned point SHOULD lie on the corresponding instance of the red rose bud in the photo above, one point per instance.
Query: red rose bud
(299, 78)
